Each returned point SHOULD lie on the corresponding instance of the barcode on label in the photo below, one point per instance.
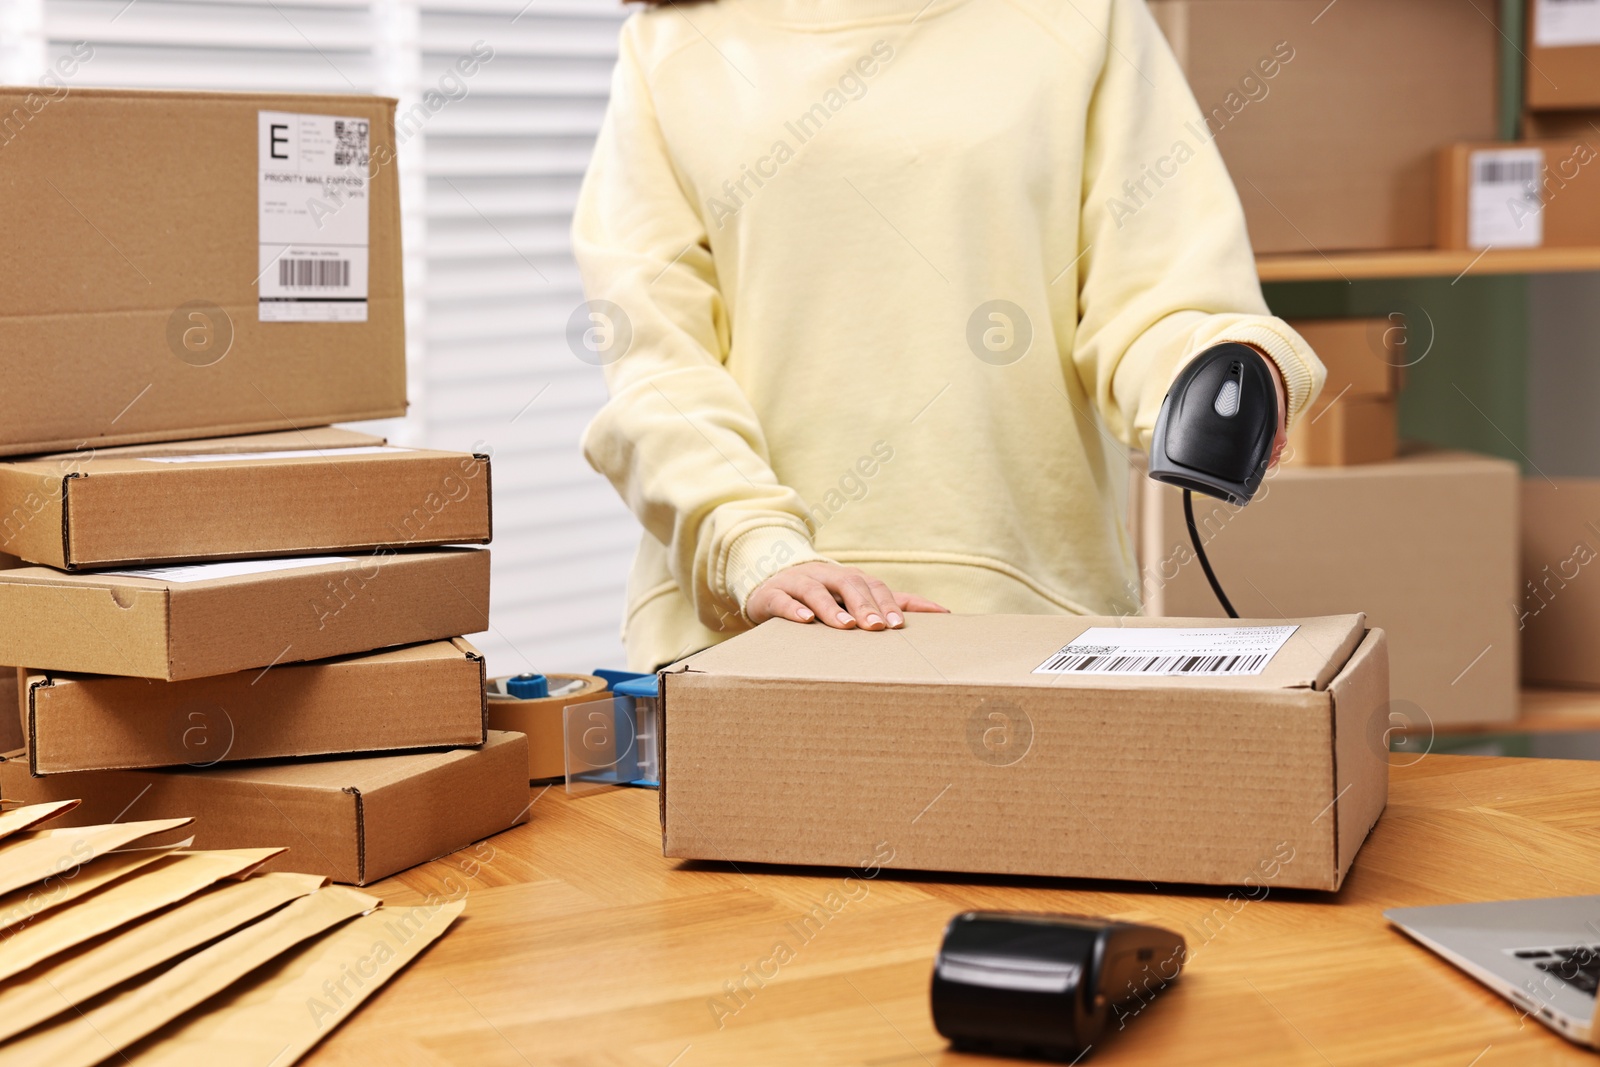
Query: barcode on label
(351, 149)
(1506, 171)
(314, 273)
(1075, 662)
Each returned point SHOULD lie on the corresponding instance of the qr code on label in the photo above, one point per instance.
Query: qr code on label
(351, 150)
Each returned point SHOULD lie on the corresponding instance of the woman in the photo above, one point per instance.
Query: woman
(885, 290)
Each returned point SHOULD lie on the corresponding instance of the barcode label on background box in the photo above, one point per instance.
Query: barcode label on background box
(1149, 650)
(1503, 205)
(1566, 23)
(314, 209)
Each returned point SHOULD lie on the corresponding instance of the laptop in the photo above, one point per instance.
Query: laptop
(1542, 955)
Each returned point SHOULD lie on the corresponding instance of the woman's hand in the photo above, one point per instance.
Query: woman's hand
(842, 597)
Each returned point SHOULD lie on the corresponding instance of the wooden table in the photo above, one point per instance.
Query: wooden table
(582, 947)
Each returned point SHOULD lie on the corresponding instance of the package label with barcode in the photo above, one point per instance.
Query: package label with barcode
(1149, 650)
(1504, 209)
(1566, 23)
(314, 208)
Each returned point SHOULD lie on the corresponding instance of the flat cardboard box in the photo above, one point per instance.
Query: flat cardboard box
(1568, 187)
(1345, 431)
(1363, 356)
(1425, 546)
(938, 749)
(296, 493)
(1328, 116)
(130, 307)
(418, 696)
(218, 618)
(353, 820)
(1560, 75)
(1557, 606)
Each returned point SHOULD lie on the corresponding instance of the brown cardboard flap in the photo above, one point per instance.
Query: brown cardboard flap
(74, 975)
(164, 882)
(280, 1012)
(1361, 738)
(1003, 650)
(30, 815)
(22, 905)
(34, 855)
(80, 1039)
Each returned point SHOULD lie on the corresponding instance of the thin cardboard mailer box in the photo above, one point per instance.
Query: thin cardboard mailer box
(352, 820)
(1034, 745)
(203, 619)
(152, 290)
(297, 493)
(419, 696)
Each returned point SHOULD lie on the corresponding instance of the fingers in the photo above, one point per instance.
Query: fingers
(912, 602)
(888, 606)
(778, 604)
(816, 596)
(856, 594)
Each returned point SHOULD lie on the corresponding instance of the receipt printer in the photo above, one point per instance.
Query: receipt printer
(1045, 986)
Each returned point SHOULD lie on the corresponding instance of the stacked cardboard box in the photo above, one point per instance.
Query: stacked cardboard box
(1521, 194)
(1356, 419)
(188, 595)
(1329, 115)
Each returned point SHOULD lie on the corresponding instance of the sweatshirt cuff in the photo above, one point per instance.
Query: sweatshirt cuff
(760, 552)
(1302, 378)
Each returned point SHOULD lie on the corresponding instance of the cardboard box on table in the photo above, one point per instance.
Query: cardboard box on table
(1328, 117)
(167, 238)
(418, 696)
(1561, 209)
(353, 820)
(938, 748)
(1426, 546)
(296, 493)
(1557, 604)
(176, 623)
(1563, 69)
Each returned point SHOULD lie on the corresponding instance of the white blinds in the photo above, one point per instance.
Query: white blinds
(488, 182)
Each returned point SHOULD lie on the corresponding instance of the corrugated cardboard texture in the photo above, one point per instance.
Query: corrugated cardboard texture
(795, 744)
(420, 696)
(115, 221)
(1425, 546)
(353, 820)
(144, 628)
(1361, 750)
(1569, 187)
(1335, 150)
(1557, 606)
(128, 506)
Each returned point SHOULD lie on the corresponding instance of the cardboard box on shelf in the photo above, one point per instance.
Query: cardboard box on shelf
(1303, 101)
(1342, 432)
(1364, 356)
(1426, 546)
(1557, 604)
(1572, 126)
(204, 619)
(150, 291)
(418, 696)
(1563, 69)
(945, 749)
(1520, 194)
(353, 820)
(296, 493)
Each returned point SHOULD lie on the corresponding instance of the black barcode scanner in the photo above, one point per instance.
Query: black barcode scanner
(1214, 435)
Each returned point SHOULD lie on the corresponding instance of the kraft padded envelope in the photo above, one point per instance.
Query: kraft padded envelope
(265, 1018)
(163, 883)
(35, 855)
(115, 1020)
(18, 819)
(72, 977)
(19, 906)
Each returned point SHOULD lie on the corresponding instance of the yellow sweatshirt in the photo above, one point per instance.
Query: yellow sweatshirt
(898, 283)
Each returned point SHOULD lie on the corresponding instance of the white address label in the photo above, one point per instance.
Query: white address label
(1149, 650)
(1566, 23)
(1503, 205)
(314, 210)
(204, 572)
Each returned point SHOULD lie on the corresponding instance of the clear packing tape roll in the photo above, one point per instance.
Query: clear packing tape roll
(541, 718)
(591, 736)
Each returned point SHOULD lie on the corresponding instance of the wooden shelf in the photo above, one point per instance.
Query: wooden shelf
(1424, 263)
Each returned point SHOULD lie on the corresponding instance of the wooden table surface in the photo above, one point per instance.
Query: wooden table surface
(582, 947)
